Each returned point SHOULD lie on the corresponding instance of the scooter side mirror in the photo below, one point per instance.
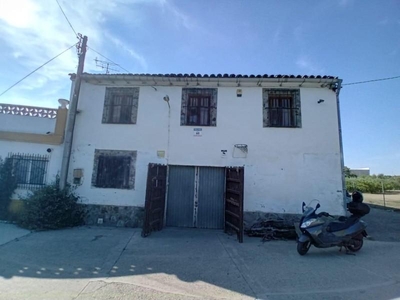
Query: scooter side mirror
(318, 206)
(302, 207)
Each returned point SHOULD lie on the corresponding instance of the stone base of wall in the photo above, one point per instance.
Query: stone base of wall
(119, 216)
(253, 217)
(132, 216)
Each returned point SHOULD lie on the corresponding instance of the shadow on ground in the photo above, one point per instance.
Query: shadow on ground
(383, 224)
(189, 255)
(203, 263)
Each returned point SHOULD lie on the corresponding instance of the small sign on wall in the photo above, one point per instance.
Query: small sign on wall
(197, 131)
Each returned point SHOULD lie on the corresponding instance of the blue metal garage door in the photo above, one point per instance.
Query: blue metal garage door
(210, 212)
(180, 203)
(196, 197)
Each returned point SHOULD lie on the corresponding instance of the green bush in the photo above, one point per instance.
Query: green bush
(373, 184)
(51, 208)
(8, 184)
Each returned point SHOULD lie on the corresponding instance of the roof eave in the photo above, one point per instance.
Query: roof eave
(162, 80)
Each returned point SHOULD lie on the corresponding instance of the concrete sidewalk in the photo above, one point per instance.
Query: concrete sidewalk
(104, 263)
(10, 232)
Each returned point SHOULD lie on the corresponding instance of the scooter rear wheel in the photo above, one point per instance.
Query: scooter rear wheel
(356, 245)
(303, 247)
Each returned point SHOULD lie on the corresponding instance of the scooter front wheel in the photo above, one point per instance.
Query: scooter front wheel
(303, 247)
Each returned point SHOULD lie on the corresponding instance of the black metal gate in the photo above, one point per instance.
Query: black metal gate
(155, 199)
(234, 201)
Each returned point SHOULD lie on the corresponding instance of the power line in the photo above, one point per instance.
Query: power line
(67, 19)
(373, 80)
(37, 69)
(88, 46)
(110, 60)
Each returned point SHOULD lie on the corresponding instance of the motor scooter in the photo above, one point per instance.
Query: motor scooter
(323, 230)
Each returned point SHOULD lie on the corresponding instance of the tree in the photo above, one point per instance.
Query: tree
(347, 172)
(8, 184)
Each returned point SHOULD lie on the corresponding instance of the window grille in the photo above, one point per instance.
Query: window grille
(30, 170)
(281, 108)
(113, 172)
(114, 169)
(199, 107)
(120, 105)
(198, 110)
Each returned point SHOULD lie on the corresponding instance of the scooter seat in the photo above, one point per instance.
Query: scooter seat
(338, 226)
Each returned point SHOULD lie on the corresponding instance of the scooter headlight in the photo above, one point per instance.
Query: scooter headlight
(307, 223)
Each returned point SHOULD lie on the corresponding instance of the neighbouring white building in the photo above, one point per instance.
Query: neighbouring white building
(360, 171)
(32, 137)
(204, 150)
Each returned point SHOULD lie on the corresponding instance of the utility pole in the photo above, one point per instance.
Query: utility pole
(72, 112)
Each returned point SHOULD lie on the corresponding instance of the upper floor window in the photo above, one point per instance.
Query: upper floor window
(199, 107)
(281, 108)
(30, 170)
(121, 105)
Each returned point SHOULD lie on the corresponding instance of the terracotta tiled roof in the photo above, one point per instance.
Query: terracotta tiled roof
(192, 75)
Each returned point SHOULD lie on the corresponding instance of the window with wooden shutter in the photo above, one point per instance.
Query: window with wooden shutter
(199, 107)
(282, 108)
(121, 106)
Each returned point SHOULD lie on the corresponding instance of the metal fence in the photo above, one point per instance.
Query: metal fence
(379, 191)
(386, 199)
(30, 170)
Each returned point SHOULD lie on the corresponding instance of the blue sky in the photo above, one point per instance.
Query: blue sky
(355, 40)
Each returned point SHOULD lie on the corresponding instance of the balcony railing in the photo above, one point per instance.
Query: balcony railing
(31, 111)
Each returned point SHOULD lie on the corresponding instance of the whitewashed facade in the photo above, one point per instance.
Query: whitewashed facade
(283, 165)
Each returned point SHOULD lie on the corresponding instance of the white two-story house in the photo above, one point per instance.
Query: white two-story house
(205, 150)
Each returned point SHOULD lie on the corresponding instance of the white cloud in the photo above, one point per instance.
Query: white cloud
(124, 46)
(34, 31)
(308, 66)
(179, 16)
(277, 36)
(345, 3)
(18, 13)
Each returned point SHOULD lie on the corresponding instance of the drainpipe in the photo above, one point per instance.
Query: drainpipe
(72, 116)
(166, 99)
(339, 86)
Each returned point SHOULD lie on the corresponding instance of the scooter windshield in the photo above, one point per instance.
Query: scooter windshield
(308, 211)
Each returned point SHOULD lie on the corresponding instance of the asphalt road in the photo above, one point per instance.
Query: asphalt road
(115, 263)
(383, 225)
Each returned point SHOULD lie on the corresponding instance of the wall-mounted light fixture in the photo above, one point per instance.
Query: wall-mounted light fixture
(320, 101)
(166, 99)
